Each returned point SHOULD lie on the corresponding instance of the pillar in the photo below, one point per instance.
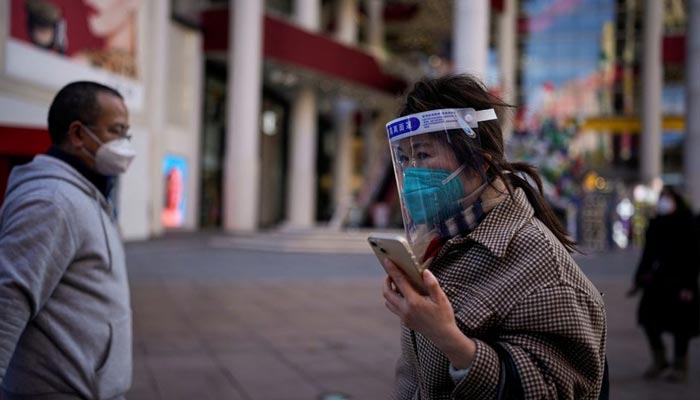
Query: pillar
(470, 37)
(242, 160)
(307, 14)
(347, 22)
(301, 198)
(650, 161)
(375, 27)
(691, 162)
(343, 163)
(301, 202)
(508, 60)
(157, 93)
(343, 121)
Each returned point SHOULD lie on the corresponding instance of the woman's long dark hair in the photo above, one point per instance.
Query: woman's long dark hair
(465, 91)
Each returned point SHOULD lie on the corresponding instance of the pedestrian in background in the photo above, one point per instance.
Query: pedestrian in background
(504, 311)
(65, 315)
(667, 276)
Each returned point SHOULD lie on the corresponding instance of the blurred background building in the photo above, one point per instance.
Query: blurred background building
(252, 115)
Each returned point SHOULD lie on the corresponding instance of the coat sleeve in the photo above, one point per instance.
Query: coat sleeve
(36, 247)
(556, 341)
(649, 255)
(406, 377)
(690, 262)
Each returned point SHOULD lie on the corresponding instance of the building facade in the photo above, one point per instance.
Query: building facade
(251, 115)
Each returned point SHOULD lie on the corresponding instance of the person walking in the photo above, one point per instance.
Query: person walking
(505, 312)
(667, 276)
(65, 315)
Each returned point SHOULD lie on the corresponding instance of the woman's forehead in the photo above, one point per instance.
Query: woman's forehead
(417, 141)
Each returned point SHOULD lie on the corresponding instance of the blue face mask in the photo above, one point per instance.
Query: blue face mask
(432, 195)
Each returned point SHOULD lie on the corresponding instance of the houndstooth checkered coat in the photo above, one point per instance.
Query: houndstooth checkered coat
(513, 286)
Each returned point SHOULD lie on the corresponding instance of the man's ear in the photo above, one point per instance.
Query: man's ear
(75, 135)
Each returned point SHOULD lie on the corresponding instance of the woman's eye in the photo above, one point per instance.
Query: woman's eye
(422, 156)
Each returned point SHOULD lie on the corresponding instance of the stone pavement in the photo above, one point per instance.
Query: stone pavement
(216, 320)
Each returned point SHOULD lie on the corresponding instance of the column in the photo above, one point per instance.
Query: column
(691, 164)
(301, 198)
(344, 122)
(375, 27)
(470, 37)
(650, 147)
(343, 167)
(301, 201)
(307, 14)
(508, 60)
(347, 22)
(157, 93)
(242, 161)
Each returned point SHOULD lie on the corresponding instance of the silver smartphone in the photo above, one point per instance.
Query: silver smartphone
(396, 248)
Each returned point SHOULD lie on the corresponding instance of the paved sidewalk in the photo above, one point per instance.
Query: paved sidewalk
(213, 321)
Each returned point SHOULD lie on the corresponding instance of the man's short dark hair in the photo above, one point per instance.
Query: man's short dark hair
(77, 101)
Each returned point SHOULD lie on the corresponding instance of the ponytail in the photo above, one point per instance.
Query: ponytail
(522, 175)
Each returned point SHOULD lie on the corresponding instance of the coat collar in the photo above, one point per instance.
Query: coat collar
(499, 226)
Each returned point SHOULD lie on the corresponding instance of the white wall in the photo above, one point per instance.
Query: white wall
(16, 111)
(135, 190)
(184, 109)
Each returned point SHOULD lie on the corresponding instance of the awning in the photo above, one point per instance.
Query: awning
(284, 42)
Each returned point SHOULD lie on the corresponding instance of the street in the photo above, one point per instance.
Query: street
(236, 318)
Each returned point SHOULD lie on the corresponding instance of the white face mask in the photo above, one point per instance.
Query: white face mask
(112, 158)
(665, 205)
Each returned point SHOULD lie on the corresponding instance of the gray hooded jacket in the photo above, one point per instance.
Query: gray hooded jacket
(65, 318)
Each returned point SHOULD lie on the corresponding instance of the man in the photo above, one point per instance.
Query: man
(65, 317)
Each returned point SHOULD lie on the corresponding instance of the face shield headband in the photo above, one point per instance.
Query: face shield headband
(443, 120)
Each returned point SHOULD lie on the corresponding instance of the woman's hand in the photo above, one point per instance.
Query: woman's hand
(431, 314)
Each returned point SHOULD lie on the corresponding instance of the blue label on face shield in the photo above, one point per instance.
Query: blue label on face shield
(403, 126)
(438, 120)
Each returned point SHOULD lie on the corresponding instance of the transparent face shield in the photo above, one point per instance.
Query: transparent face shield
(439, 168)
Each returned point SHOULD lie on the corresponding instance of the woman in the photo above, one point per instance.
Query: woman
(668, 276)
(508, 313)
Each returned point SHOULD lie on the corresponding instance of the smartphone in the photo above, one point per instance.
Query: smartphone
(395, 248)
